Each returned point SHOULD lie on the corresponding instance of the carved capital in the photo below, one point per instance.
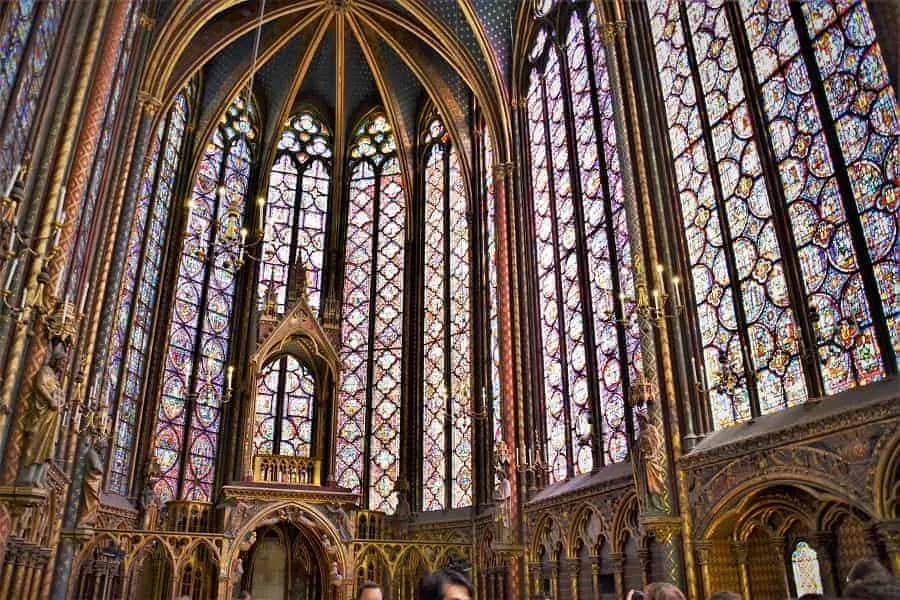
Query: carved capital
(702, 549)
(146, 22)
(740, 552)
(608, 33)
(150, 103)
(618, 561)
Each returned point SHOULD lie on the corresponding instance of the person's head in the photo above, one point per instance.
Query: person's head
(663, 591)
(868, 569)
(725, 596)
(634, 595)
(445, 584)
(245, 595)
(370, 590)
(812, 597)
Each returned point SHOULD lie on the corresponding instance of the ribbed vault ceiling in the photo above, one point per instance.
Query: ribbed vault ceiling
(343, 56)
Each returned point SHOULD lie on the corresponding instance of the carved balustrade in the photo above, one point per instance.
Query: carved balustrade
(279, 468)
(189, 517)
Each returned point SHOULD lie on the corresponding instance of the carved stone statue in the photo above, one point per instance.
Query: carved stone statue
(147, 501)
(93, 479)
(402, 490)
(42, 415)
(651, 464)
(502, 494)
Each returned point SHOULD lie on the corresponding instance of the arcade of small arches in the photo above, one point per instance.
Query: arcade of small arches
(570, 295)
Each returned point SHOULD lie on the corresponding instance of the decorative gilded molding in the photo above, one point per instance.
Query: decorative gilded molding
(146, 22)
(150, 103)
(887, 408)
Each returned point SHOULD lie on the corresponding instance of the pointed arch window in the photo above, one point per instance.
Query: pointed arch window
(805, 567)
(589, 335)
(27, 43)
(200, 330)
(297, 208)
(368, 448)
(446, 411)
(126, 363)
(786, 204)
(285, 402)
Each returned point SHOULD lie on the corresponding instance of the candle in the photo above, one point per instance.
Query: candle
(243, 242)
(694, 369)
(656, 303)
(83, 302)
(12, 237)
(60, 207)
(676, 290)
(228, 375)
(261, 203)
(12, 273)
(12, 181)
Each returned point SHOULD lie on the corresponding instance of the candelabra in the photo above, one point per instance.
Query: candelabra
(727, 380)
(19, 246)
(841, 333)
(661, 306)
(231, 243)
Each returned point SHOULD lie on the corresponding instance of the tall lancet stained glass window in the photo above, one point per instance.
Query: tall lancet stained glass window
(127, 358)
(447, 400)
(368, 445)
(296, 209)
(28, 40)
(295, 212)
(789, 209)
(489, 212)
(588, 330)
(193, 381)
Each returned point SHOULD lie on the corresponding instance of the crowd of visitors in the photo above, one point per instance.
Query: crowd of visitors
(868, 580)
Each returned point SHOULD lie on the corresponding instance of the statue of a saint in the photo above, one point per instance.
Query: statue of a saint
(42, 414)
(93, 479)
(651, 463)
(502, 495)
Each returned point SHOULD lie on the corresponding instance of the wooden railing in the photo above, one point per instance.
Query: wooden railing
(277, 468)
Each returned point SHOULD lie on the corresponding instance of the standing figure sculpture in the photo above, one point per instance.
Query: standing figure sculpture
(93, 480)
(41, 421)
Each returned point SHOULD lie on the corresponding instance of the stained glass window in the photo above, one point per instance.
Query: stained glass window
(200, 330)
(368, 447)
(296, 209)
(285, 403)
(493, 331)
(447, 421)
(805, 565)
(755, 325)
(23, 80)
(589, 335)
(128, 351)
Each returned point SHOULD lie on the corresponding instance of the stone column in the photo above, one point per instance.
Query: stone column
(573, 567)
(702, 549)
(595, 576)
(534, 572)
(778, 546)
(823, 541)
(618, 562)
(740, 555)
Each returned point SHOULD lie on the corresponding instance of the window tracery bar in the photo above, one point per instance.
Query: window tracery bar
(372, 337)
(200, 330)
(447, 426)
(128, 353)
(17, 23)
